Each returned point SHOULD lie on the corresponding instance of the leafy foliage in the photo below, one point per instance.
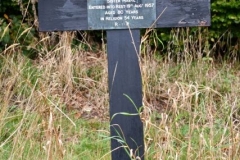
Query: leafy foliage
(226, 15)
(16, 26)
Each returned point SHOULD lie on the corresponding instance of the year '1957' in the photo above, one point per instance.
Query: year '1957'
(118, 1)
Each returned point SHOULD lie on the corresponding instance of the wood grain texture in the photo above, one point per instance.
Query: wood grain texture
(183, 13)
(64, 15)
(124, 78)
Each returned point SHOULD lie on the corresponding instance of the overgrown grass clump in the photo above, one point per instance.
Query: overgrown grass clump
(56, 106)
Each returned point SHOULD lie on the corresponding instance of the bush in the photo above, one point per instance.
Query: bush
(16, 26)
(225, 15)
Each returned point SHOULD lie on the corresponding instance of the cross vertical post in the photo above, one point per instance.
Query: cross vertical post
(125, 91)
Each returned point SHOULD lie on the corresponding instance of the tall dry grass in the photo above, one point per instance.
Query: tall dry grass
(56, 107)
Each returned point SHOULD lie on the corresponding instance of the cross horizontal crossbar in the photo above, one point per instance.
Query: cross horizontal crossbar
(67, 15)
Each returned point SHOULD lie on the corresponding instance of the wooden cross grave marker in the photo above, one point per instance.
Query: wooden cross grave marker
(123, 19)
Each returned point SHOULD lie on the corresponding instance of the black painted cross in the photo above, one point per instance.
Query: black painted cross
(123, 19)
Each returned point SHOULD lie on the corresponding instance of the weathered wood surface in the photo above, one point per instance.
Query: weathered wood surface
(125, 79)
(62, 15)
(183, 13)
